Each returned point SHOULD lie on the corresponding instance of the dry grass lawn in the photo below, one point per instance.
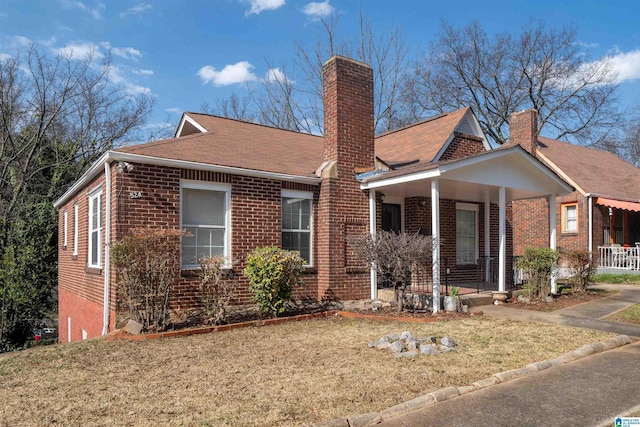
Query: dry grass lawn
(629, 315)
(288, 374)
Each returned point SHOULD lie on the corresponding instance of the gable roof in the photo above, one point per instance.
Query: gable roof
(590, 170)
(425, 141)
(233, 143)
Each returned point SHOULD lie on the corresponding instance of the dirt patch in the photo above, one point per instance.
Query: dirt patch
(561, 301)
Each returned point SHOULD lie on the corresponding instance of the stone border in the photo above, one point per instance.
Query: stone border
(434, 397)
(119, 334)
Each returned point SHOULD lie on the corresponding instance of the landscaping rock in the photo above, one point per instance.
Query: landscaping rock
(448, 342)
(524, 300)
(133, 327)
(396, 346)
(406, 345)
(428, 349)
(408, 354)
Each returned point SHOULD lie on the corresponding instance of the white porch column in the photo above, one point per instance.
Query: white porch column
(487, 238)
(372, 231)
(503, 239)
(552, 240)
(435, 234)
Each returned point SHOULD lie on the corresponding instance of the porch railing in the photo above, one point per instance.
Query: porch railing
(619, 257)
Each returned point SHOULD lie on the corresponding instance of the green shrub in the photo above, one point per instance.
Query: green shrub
(537, 265)
(147, 265)
(217, 292)
(272, 273)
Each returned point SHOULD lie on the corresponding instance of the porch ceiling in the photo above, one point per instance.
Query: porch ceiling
(478, 177)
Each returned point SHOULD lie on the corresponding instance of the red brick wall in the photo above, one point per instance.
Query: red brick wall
(348, 136)
(81, 289)
(463, 145)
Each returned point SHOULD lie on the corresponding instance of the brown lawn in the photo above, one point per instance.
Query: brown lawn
(288, 374)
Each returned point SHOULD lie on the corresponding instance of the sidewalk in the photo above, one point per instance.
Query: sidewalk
(586, 315)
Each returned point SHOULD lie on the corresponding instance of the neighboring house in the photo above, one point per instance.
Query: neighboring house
(235, 186)
(602, 214)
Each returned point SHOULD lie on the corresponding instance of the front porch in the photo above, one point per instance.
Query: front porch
(465, 206)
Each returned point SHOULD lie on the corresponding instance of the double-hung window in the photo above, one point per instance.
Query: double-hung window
(205, 220)
(95, 228)
(570, 218)
(65, 217)
(466, 233)
(297, 222)
(75, 229)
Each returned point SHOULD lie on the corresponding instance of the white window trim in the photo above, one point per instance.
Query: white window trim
(65, 222)
(476, 209)
(307, 195)
(75, 229)
(210, 186)
(93, 196)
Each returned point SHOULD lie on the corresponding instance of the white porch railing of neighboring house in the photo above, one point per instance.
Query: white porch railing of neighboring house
(619, 257)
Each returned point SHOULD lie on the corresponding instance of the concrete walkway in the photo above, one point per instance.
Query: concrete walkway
(588, 392)
(586, 315)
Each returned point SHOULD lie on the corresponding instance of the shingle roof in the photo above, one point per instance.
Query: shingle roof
(239, 144)
(234, 143)
(421, 141)
(595, 171)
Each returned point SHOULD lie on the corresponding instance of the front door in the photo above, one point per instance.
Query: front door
(392, 217)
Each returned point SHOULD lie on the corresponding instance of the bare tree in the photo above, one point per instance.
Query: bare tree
(395, 256)
(57, 115)
(291, 96)
(537, 68)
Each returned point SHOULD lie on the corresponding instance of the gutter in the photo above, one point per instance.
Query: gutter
(107, 247)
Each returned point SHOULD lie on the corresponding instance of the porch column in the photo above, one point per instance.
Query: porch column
(372, 231)
(435, 235)
(503, 239)
(552, 241)
(487, 238)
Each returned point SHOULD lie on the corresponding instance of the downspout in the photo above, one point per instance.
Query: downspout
(590, 225)
(107, 246)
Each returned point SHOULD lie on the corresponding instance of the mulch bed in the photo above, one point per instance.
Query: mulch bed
(561, 301)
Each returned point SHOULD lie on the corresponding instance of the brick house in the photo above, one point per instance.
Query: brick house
(236, 186)
(601, 213)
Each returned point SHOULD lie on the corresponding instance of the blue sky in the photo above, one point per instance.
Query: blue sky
(186, 53)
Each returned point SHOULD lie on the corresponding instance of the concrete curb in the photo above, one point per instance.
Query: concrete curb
(437, 396)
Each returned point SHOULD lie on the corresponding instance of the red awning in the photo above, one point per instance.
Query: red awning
(618, 204)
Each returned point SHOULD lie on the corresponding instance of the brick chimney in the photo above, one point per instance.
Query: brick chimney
(343, 207)
(523, 129)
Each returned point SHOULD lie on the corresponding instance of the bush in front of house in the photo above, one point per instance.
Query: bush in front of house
(147, 265)
(217, 292)
(537, 265)
(272, 274)
(583, 266)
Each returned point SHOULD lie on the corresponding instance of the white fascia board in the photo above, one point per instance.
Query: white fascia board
(560, 172)
(494, 154)
(429, 174)
(118, 156)
(186, 118)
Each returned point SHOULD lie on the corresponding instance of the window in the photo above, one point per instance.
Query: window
(570, 218)
(64, 226)
(95, 228)
(75, 229)
(296, 222)
(205, 220)
(466, 233)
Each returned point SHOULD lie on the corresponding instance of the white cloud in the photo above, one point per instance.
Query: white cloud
(136, 10)
(258, 6)
(115, 76)
(587, 45)
(318, 10)
(127, 52)
(626, 65)
(96, 12)
(143, 72)
(79, 51)
(276, 75)
(4, 56)
(239, 72)
(173, 110)
(21, 41)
